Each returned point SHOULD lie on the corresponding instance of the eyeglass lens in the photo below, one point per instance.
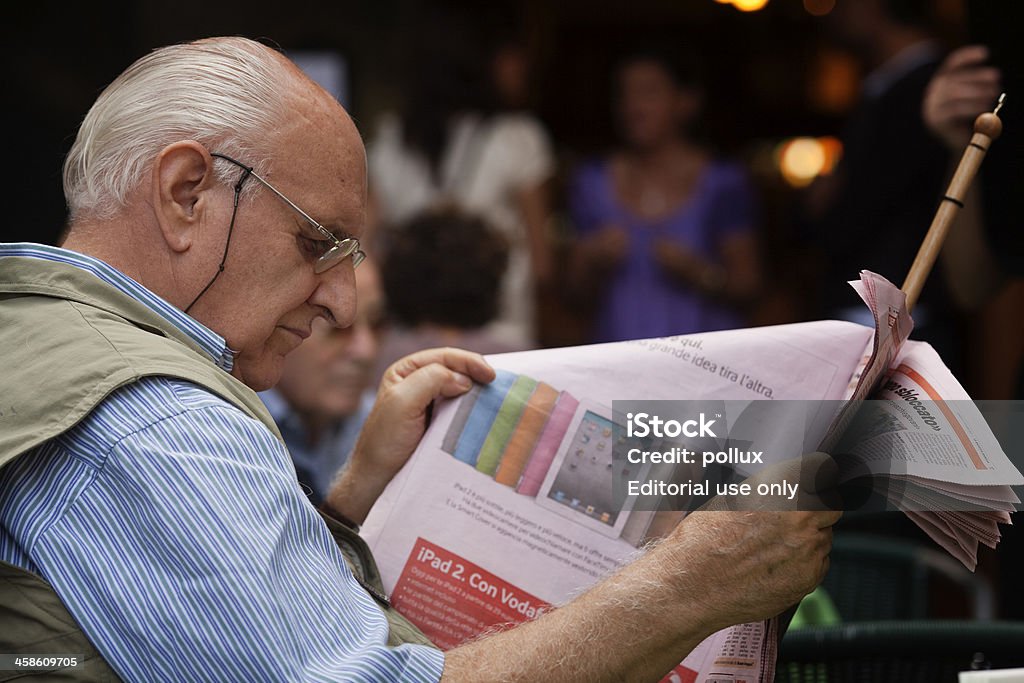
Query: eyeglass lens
(347, 247)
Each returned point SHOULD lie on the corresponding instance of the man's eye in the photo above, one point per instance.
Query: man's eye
(315, 247)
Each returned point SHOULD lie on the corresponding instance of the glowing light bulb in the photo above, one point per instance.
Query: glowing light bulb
(801, 160)
(749, 5)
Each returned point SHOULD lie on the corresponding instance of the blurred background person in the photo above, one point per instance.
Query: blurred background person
(666, 231)
(964, 86)
(326, 389)
(463, 139)
(984, 251)
(983, 257)
(442, 279)
(874, 210)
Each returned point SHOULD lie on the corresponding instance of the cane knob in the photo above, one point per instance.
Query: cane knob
(988, 124)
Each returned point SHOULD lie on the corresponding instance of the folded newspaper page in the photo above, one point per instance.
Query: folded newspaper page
(928, 446)
(507, 507)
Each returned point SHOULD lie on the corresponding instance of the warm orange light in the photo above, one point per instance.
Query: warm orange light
(819, 8)
(834, 81)
(833, 151)
(801, 160)
(749, 5)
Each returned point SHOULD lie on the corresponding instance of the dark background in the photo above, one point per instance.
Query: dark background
(760, 67)
(770, 75)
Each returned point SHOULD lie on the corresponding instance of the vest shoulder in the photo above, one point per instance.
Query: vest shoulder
(69, 342)
(66, 357)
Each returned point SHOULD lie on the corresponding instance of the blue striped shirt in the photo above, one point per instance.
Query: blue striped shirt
(173, 528)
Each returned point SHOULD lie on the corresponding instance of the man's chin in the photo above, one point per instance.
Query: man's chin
(258, 376)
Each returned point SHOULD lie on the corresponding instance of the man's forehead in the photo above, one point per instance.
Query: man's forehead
(322, 127)
(323, 151)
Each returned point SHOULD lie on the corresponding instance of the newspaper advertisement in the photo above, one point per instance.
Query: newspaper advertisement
(506, 509)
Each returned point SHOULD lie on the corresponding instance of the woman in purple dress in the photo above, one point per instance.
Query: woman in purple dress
(667, 241)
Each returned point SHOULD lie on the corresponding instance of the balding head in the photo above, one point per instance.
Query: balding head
(225, 93)
(153, 193)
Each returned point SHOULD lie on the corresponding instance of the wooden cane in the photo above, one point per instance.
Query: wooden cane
(987, 128)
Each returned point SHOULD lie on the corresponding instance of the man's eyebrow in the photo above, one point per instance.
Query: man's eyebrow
(342, 233)
(338, 232)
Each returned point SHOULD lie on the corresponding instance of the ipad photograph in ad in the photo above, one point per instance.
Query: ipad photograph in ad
(578, 484)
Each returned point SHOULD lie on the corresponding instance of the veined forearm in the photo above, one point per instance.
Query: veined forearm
(634, 626)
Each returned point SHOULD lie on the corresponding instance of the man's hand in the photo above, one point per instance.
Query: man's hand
(746, 566)
(777, 547)
(816, 476)
(962, 88)
(714, 570)
(398, 420)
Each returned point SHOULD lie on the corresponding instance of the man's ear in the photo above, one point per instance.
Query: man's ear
(182, 176)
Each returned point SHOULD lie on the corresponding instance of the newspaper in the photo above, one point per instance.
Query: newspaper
(504, 509)
(954, 478)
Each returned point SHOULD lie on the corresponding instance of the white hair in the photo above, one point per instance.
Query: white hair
(225, 93)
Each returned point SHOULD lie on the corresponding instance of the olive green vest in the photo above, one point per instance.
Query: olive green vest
(67, 341)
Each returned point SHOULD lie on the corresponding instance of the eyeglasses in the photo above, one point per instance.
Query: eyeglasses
(340, 250)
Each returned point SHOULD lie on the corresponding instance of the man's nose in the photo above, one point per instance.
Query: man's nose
(336, 292)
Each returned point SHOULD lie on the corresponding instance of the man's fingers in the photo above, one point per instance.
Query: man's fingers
(826, 519)
(964, 57)
(988, 76)
(425, 384)
(821, 470)
(965, 110)
(959, 111)
(819, 483)
(970, 85)
(983, 90)
(818, 472)
(470, 364)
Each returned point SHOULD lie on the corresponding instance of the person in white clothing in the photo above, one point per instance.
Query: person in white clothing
(450, 147)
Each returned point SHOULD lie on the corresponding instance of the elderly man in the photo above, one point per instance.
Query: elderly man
(321, 401)
(144, 488)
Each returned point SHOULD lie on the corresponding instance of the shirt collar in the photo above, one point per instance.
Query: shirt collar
(214, 345)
